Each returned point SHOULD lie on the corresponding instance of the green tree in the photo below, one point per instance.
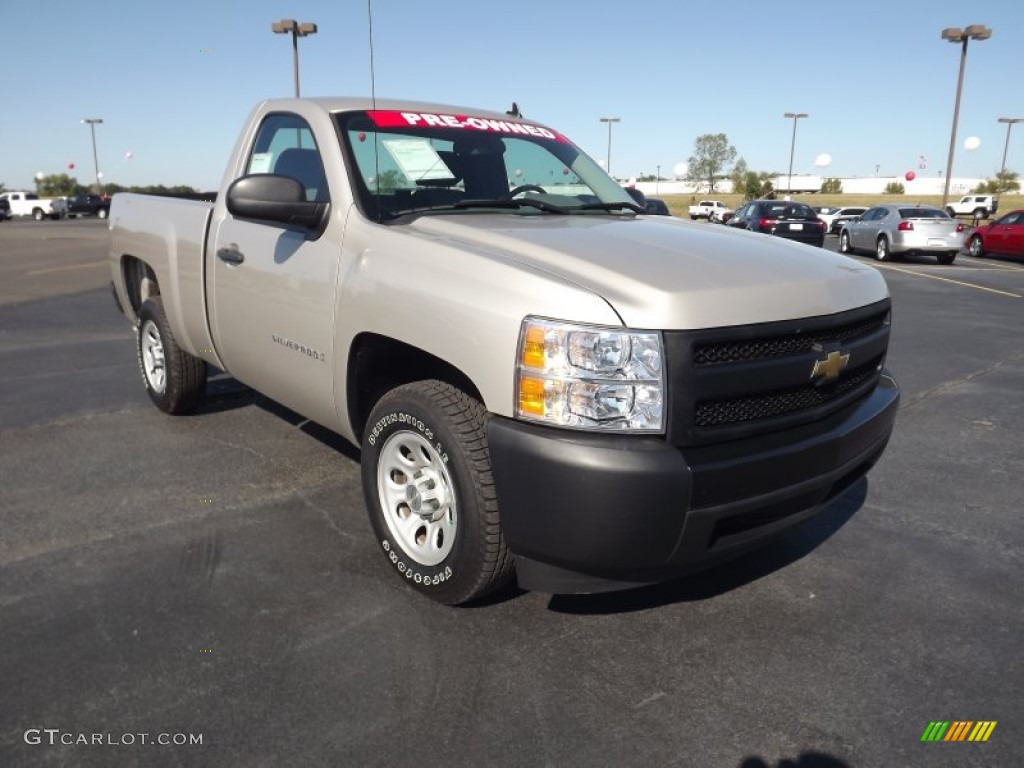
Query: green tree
(59, 185)
(1005, 181)
(894, 188)
(739, 176)
(832, 187)
(712, 152)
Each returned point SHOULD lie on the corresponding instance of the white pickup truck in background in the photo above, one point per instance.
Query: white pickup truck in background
(544, 381)
(31, 204)
(712, 210)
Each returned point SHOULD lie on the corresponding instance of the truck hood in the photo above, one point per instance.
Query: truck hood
(663, 273)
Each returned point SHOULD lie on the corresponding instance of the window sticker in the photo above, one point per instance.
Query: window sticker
(417, 159)
(260, 162)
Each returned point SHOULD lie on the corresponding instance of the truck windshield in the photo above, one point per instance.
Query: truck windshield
(416, 163)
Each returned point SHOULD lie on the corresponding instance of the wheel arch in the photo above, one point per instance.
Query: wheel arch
(140, 283)
(377, 364)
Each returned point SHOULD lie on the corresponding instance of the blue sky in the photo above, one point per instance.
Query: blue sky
(875, 77)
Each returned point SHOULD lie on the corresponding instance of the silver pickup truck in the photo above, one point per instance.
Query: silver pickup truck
(544, 382)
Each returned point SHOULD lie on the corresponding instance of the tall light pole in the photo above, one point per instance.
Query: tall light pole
(608, 160)
(283, 27)
(1009, 124)
(792, 145)
(95, 158)
(962, 36)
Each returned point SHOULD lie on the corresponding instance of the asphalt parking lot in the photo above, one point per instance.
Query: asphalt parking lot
(215, 575)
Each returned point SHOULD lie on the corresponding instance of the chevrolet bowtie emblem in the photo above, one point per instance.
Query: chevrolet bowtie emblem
(831, 366)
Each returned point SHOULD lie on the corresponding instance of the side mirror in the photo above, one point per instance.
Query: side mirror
(280, 199)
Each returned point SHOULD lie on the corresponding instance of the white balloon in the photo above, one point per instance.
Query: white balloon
(128, 155)
(971, 143)
(824, 160)
(40, 176)
(681, 169)
(99, 175)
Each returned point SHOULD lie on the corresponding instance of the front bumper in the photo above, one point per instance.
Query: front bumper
(593, 512)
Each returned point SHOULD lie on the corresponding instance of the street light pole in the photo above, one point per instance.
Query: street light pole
(283, 27)
(95, 158)
(962, 36)
(792, 145)
(608, 160)
(1009, 124)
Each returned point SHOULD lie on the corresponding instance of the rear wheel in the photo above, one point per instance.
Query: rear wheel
(951, 212)
(946, 258)
(430, 493)
(37, 214)
(174, 379)
(844, 242)
(976, 247)
(882, 252)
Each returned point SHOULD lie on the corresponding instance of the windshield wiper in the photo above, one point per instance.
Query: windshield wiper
(524, 203)
(611, 207)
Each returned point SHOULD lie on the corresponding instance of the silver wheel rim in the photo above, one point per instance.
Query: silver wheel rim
(975, 246)
(153, 357)
(417, 498)
(882, 250)
(844, 242)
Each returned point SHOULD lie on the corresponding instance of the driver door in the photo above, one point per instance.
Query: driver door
(274, 285)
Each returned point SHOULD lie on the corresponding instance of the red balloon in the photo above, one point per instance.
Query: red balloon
(71, 165)
(910, 176)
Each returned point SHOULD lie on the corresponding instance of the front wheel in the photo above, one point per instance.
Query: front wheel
(975, 247)
(882, 252)
(174, 379)
(101, 213)
(430, 493)
(844, 242)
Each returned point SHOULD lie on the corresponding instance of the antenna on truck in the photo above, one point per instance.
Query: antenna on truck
(373, 102)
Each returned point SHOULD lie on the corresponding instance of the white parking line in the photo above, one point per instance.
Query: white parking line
(950, 280)
(991, 264)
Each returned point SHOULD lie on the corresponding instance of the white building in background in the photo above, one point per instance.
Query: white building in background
(803, 184)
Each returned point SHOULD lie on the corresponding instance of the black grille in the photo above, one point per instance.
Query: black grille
(717, 413)
(779, 346)
(736, 382)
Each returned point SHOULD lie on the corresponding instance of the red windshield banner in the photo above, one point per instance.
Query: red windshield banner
(396, 119)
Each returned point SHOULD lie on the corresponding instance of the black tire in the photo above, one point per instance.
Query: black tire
(692, 217)
(38, 214)
(439, 432)
(882, 252)
(947, 258)
(844, 242)
(178, 385)
(951, 212)
(976, 247)
(101, 213)
(980, 213)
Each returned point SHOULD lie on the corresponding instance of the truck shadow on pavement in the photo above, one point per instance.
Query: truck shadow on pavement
(703, 585)
(805, 760)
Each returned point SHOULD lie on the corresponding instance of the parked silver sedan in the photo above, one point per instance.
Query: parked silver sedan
(903, 228)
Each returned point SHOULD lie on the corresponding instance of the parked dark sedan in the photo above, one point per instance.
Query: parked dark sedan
(1005, 236)
(783, 218)
(88, 205)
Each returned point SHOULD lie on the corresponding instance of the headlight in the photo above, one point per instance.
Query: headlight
(586, 377)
